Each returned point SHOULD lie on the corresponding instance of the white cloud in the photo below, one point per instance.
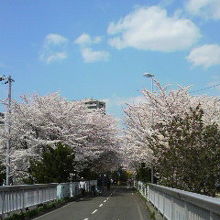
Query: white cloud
(54, 48)
(150, 28)
(91, 56)
(204, 8)
(85, 39)
(206, 55)
(55, 56)
(55, 39)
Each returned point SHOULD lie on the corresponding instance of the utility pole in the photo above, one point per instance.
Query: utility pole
(8, 80)
(151, 76)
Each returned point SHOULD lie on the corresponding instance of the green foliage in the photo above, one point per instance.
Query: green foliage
(29, 214)
(32, 213)
(88, 173)
(152, 216)
(120, 175)
(2, 173)
(143, 173)
(55, 165)
(187, 153)
(20, 216)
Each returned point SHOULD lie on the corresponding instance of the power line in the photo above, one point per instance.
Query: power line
(205, 88)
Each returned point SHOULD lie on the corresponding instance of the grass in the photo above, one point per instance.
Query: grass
(41, 209)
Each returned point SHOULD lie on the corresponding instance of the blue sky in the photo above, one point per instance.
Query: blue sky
(100, 49)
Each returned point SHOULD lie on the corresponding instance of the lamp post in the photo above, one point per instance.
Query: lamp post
(151, 76)
(8, 80)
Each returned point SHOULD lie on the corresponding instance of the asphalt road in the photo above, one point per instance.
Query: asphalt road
(119, 204)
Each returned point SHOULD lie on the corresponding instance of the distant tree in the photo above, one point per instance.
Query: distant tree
(88, 173)
(121, 175)
(106, 163)
(161, 106)
(2, 173)
(187, 153)
(39, 121)
(143, 173)
(55, 166)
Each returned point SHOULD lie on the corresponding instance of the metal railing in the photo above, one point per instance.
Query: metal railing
(23, 196)
(142, 188)
(20, 197)
(175, 204)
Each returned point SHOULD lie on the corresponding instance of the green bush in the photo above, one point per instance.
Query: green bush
(20, 216)
(34, 212)
(54, 167)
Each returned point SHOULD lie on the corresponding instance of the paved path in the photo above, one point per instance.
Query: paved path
(120, 204)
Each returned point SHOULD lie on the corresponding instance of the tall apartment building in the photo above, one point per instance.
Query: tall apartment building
(95, 104)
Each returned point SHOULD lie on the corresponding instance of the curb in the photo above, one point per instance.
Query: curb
(154, 214)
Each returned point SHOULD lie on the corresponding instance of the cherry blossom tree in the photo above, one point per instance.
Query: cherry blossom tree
(39, 121)
(187, 152)
(161, 106)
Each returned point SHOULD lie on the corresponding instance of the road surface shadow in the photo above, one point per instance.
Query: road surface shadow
(121, 191)
(114, 192)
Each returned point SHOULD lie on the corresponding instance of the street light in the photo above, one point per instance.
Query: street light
(151, 76)
(8, 80)
(148, 75)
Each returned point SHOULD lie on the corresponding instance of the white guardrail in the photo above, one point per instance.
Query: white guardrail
(20, 197)
(175, 204)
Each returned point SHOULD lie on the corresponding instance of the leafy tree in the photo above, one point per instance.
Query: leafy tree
(2, 173)
(105, 163)
(187, 153)
(54, 166)
(143, 173)
(88, 173)
(160, 106)
(38, 121)
(121, 175)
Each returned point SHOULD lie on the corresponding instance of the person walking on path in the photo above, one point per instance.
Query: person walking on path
(82, 186)
(108, 183)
